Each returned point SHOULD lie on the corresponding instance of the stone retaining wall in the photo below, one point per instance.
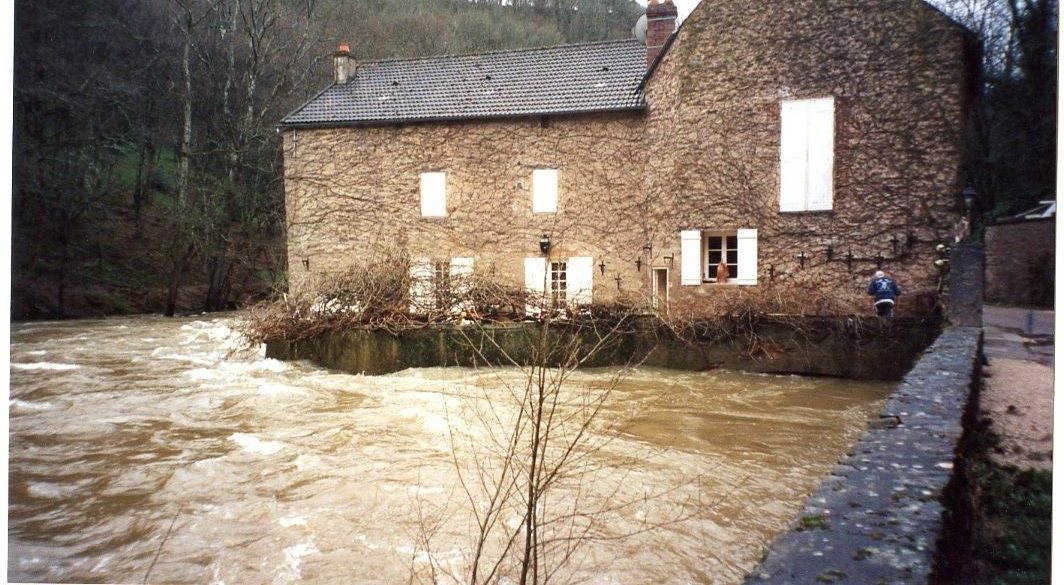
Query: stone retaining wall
(850, 347)
(1019, 263)
(879, 517)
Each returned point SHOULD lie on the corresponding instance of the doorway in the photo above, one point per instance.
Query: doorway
(659, 292)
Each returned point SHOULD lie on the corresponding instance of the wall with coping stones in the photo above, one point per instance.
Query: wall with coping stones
(878, 517)
(1019, 262)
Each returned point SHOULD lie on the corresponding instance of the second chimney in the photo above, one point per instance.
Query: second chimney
(661, 22)
(343, 64)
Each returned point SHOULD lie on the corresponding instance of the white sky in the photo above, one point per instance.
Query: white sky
(683, 6)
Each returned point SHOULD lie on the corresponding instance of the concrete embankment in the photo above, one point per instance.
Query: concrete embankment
(879, 517)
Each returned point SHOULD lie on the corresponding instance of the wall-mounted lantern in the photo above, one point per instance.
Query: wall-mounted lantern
(306, 264)
(668, 260)
(638, 263)
(544, 244)
(969, 198)
(602, 267)
(849, 260)
(771, 271)
(648, 249)
(801, 258)
(894, 241)
(618, 279)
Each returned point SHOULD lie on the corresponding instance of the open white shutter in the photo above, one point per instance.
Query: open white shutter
(462, 282)
(794, 127)
(422, 297)
(545, 190)
(690, 257)
(434, 194)
(821, 153)
(747, 270)
(535, 277)
(579, 275)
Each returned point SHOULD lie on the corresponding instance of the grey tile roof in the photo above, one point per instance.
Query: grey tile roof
(591, 77)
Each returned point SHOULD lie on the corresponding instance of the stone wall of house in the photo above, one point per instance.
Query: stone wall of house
(354, 192)
(896, 69)
(1019, 263)
(705, 155)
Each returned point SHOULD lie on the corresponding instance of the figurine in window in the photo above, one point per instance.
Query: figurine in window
(722, 271)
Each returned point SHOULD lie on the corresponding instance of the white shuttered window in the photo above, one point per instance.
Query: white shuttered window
(544, 190)
(580, 271)
(434, 194)
(462, 282)
(694, 256)
(807, 154)
(690, 257)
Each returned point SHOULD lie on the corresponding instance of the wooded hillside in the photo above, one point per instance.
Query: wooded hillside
(147, 171)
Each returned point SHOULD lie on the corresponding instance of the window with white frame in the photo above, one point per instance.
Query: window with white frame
(807, 154)
(544, 190)
(439, 285)
(434, 194)
(701, 252)
(721, 246)
(558, 283)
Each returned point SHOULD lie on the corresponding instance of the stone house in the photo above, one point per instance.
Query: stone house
(801, 144)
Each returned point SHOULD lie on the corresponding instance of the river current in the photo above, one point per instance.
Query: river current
(161, 450)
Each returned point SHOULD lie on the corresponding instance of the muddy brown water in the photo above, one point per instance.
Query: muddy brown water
(150, 448)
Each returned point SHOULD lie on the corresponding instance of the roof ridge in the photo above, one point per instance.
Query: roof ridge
(496, 52)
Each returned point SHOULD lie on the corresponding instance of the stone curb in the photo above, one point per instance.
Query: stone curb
(876, 519)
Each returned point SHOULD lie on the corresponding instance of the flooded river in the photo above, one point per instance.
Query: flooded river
(146, 449)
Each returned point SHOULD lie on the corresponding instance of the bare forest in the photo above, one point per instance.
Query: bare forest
(147, 161)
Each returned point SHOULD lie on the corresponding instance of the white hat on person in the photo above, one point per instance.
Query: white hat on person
(879, 274)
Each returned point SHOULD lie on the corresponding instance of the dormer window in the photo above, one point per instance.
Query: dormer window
(434, 194)
(545, 191)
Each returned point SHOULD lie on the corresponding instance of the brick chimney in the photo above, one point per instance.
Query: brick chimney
(343, 64)
(661, 22)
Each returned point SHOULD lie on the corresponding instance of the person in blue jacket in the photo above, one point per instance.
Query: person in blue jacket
(884, 290)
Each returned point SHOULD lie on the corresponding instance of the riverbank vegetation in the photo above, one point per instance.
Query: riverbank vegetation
(147, 168)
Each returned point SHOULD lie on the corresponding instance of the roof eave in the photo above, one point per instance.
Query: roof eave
(285, 125)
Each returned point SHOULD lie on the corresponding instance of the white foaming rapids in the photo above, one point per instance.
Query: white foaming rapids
(254, 444)
(21, 406)
(45, 366)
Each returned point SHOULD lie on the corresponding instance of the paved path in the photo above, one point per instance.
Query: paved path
(1019, 334)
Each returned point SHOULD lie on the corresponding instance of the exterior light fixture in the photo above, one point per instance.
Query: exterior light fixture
(668, 260)
(771, 271)
(894, 244)
(801, 258)
(618, 279)
(602, 267)
(648, 249)
(969, 197)
(638, 263)
(544, 244)
(849, 260)
(306, 264)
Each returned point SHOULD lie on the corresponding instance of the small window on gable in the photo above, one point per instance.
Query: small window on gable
(701, 253)
(807, 154)
(545, 190)
(434, 194)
